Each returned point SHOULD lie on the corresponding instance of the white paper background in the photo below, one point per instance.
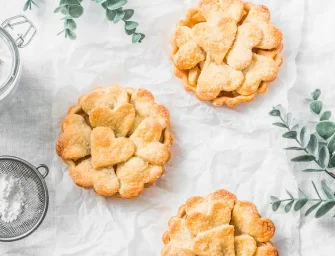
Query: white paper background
(236, 149)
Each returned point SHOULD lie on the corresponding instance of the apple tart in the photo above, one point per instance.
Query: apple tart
(218, 225)
(226, 51)
(116, 140)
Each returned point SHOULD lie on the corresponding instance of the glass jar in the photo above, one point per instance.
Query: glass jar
(10, 62)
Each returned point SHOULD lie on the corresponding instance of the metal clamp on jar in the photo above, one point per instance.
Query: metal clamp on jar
(10, 62)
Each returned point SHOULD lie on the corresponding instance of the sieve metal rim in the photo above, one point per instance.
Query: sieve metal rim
(46, 194)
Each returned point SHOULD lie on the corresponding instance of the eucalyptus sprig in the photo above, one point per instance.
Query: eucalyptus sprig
(72, 9)
(319, 146)
(115, 13)
(29, 4)
(322, 205)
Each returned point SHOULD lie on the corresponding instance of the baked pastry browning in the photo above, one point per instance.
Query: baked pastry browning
(218, 225)
(226, 51)
(116, 140)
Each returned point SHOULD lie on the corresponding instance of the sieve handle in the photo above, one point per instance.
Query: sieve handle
(46, 170)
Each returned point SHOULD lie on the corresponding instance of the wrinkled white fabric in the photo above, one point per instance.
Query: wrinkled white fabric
(236, 149)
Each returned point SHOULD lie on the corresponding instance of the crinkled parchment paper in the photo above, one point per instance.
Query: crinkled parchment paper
(235, 149)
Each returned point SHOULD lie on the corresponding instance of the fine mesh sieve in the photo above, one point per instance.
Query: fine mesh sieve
(36, 194)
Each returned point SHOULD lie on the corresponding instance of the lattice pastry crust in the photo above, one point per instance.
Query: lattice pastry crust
(226, 51)
(218, 225)
(116, 140)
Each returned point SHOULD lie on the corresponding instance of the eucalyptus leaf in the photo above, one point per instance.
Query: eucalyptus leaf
(325, 129)
(280, 125)
(329, 193)
(332, 161)
(316, 94)
(110, 14)
(274, 198)
(290, 135)
(70, 24)
(331, 144)
(115, 4)
(300, 203)
(313, 170)
(304, 136)
(312, 208)
(313, 145)
(303, 158)
(128, 14)
(324, 209)
(130, 32)
(142, 37)
(289, 193)
(75, 11)
(289, 206)
(27, 5)
(119, 16)
(316, 106)
(274, 112)
(130, 25)
(70, 34)
(136, 37)
(65, 10)
(324, 157)
(294, 148)
(325, 115)
(275, 205)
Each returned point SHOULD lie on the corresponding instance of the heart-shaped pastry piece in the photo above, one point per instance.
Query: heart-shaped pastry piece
(74, 143)
(245, 245)
(120, 119)
(147, 140)
(215, 39)
(215, 78)
(106, 150)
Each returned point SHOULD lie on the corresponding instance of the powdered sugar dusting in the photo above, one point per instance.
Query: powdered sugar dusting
(12, 198)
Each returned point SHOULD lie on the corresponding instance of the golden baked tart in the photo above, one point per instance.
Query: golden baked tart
(218, 225)
(116, 140)
(226, 51)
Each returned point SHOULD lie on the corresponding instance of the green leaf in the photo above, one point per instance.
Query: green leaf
(280, 125)
(294, 148)
(59, 8)
(142, 37)
(325, 129)
(128, 14)
(275, 205)
(70, 24)
(136, 38)
(313, 145)
(274, 198)
(304, 136)
(290, 135)
(274, 112)
(313, 170)
(324, 157)
(130, 25)
(70, 34)
(289, 193)
(130, 32)
(115, 4)
(27, 4)
(329, 193)
(331, 144)
(316, 106)
(332, 161)
(324, 209)
(316, 94)
(65, 11)
(325, 115)
(289, 206)
(119, 16)
(304, 158)
(110, 15)
(300, 203)
(75, 11)
(312, 208)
